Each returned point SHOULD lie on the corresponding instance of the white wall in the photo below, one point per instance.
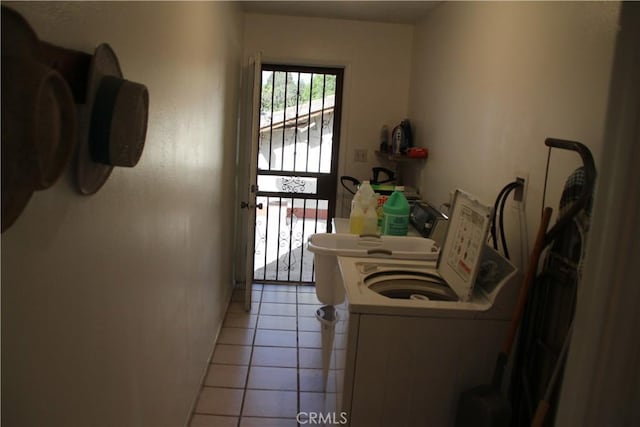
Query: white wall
(376, 58)
(601, 385)
(491, 80)
(111, 303)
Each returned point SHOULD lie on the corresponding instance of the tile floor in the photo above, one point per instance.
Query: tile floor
(267, 364)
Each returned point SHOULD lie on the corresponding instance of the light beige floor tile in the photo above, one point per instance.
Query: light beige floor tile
(286, 335)
(236, 336)
(279, 288)
(277, 309)
(201, 420)
(283, 357)
(277, 322)
(309, 339)
(234, 376)
(307, 298)
(232, 354)
(240, 320)
(273, 338)
(219, 401)
(280, 297)
(270, 378)
(310, 358)
(270, 403)
(268, 422)
(308, 324)
(312, 402)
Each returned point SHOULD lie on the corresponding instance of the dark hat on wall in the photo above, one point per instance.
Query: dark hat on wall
(41, 84)
(116, 123)
(38, 118)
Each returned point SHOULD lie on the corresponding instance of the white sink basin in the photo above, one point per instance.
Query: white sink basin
(326, 247)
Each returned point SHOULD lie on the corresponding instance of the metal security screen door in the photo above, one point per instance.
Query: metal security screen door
(297, 162)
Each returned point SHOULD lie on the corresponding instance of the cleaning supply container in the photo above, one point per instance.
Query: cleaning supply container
(356, 218)
(395, 221)
(371, 218)
(359, 221)
(365, 191)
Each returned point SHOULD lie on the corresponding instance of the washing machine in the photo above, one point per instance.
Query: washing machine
(412, 335)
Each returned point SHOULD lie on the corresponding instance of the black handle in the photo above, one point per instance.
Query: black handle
(587, 189)
(375, 179)
(353, 182)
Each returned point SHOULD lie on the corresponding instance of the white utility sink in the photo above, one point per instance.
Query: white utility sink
(326, 247)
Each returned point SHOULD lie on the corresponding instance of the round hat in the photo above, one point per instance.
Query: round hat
(38, 118)
(116, 122)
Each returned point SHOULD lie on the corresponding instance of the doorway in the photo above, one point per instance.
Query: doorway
(297, 156)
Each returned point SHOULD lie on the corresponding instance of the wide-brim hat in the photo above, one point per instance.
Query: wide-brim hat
(114, 124)
(38, 118)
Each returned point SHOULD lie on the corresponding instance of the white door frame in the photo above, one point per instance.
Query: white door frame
(246, 176)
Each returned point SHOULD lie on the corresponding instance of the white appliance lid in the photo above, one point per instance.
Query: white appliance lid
(460, 256)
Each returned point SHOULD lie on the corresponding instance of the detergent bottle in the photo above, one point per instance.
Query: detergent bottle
(395, 220)
(356, 217)
(366, 193)
(371, 217)
(359, 207)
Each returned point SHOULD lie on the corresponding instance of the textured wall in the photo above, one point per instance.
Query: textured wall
(111, 303)
(491, 80)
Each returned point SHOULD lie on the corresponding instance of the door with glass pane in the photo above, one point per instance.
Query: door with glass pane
(297, 167)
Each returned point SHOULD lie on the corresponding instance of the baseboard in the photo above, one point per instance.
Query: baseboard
(203, 376)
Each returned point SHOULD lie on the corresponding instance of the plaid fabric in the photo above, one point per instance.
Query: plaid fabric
(573, 240)
(572, 188)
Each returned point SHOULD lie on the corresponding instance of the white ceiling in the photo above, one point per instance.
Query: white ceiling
(401, 12)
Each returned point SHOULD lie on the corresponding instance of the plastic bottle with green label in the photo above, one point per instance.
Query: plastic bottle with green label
(395, 220)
